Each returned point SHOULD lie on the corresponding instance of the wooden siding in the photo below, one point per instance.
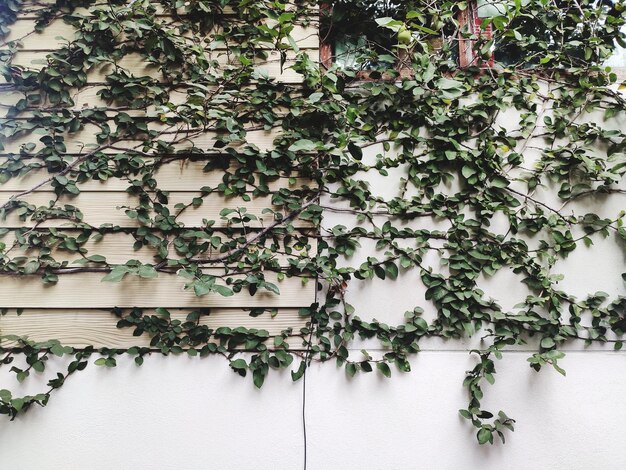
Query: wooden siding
(57, 33)
(177, 175)
(80, 328)
(108, 208)
(118, 248)
(86, 290)
(85, 141)
(270, 67)
(73, 310)
(86, 97)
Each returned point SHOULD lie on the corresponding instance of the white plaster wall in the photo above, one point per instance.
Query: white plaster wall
(183, 413)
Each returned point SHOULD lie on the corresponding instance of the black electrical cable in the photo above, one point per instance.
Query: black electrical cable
(306, 366)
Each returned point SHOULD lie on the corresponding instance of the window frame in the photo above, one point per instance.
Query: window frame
(326, 56)
(464, 17)
(469, 18)
(467, 57)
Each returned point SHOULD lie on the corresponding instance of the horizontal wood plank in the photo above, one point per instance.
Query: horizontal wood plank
(31, 8)
(138, 66)
(58, 33)
(86, 290)
(118, 248)
(85, 140)
(86, 97)
(106, 208)
(82, 328)
(182, 175)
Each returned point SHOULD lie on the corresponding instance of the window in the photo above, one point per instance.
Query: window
(369, 37)
(354, 40)
(487, 33)
(561, 29)
(471, 25)
(618, 57)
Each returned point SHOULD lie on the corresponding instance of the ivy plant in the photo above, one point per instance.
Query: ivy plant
(493, 165)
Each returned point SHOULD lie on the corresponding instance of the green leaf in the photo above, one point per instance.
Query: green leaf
(116, 274)
(298, 373)
(147, 271)
(62, 180)
(315, 97)
(467, 172)
(390, 23)
(392, 270)
(355, 151)
(484, 435)
(18, 403)
(258, 377)
(57, 350)
(223, 290)
(384, 368)
(448, 84)
(499, 182)
(272, 288)
(239, 364)
(31, 267)
(305, 145)
(425, 29)
(201, 288)
(163, 312)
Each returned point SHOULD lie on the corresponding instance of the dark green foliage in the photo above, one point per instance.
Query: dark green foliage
(463, 170)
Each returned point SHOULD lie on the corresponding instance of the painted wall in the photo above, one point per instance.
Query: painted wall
(182, 413)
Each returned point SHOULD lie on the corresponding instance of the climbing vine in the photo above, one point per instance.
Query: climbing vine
(485, 169)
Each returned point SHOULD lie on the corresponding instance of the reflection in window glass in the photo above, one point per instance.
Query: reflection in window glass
(618, 58)
(352, 28)
(507, 52)
(489, 8)
(503, 53)
(346, 50)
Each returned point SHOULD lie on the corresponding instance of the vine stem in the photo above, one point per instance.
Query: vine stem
(543, 204)
(66, 170)
(259, 235)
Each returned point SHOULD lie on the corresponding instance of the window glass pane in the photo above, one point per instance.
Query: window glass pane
(352, 29)
(346, 50)
(507, 51)
(618, 58)
(503, 54)
(490, 8)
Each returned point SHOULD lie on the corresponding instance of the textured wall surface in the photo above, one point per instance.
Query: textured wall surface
(183, 413)
(179, 413)
(79, 299)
